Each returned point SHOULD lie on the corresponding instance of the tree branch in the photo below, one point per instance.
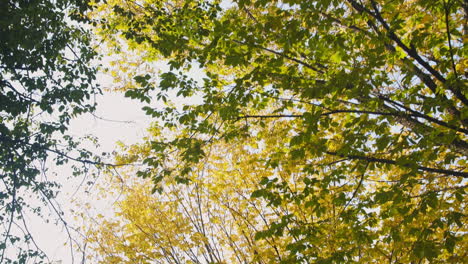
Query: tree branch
(12, 214)
(303, 63)
(411, 51)
(426, 117)
(392, 162)
(449, 37)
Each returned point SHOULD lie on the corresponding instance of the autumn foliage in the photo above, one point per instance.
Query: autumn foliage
(315, 132)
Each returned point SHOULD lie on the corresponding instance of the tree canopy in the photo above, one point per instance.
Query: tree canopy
(371, 94)
(46, 78)
(319, 131)
(211, 220)
(218, 218)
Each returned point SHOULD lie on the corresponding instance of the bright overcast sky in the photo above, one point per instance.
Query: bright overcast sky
(117, 118)
(130, 129)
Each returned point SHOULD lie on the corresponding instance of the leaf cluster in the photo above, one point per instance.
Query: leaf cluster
(372, 96)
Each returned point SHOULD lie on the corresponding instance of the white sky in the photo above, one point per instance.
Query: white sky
(129, 124)
(112, 106)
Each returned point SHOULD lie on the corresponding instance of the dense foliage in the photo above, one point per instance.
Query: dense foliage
(372, 98)
(45, 80)
(211, 220)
